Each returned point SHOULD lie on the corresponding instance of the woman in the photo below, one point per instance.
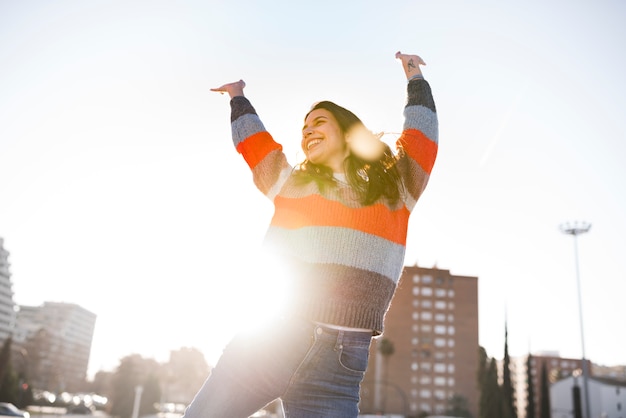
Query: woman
(339, 225)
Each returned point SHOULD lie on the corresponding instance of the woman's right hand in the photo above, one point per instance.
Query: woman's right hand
(233, 89)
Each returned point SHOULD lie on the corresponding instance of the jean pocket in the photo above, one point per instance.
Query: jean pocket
(354, 357)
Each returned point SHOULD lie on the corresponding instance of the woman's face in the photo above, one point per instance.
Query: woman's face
(322, 140)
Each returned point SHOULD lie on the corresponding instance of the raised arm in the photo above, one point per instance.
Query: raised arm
(411, 65)
(233, 89)
(420, 136)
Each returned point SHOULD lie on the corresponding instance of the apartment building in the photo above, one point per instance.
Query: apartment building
(57, 338)
(432, 327)
(7, 306)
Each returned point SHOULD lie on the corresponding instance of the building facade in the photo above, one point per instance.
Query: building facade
(57, 339)
(607, 398)
(428, 353)
(7, 305)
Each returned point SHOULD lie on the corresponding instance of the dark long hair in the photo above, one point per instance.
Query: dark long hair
(371, 177)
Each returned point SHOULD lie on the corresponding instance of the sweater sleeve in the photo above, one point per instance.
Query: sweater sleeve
(263, 155)
(419, 140)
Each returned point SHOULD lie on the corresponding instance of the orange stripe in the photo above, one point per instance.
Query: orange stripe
(256, 147)
(420, 148)
(315, 210)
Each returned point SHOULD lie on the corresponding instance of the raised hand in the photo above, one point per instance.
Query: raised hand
(411, 64)
(233, 89)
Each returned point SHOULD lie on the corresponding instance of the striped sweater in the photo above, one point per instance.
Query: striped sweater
(344, 259)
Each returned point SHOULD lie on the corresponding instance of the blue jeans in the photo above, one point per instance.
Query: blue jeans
(316, 372)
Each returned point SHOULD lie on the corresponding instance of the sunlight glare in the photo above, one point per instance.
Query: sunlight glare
(262, 292)
(364, 144)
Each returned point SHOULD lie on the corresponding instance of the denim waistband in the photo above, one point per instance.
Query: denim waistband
(323, 328)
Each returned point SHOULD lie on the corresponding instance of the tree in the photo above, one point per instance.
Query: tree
(458, 407)
(5, 359)
(481, 379)
(132, 372)
(386, 349)
(530, 388)
(490, 402)
(508, 395)
(8, 379)
(492, 407)
(185, 372)
(544, 410)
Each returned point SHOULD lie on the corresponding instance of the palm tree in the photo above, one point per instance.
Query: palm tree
(386, 349)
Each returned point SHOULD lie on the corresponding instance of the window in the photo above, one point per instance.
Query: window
(416, 290)
(440, 329)
(414, 341)
(416, 303)
(414, 366)
(416, 316)
(427, 304)
(427, 279)
(440, 368)
(425, 393)
(451, 330)
(440, 293)
(416, 278)
(450, 368)
(451, 293)
(440, 281)
(427, 316)
(427, 291)
(440, 342)
(440, 381)
(440, 304)
(440, 317)
(426, 328)
(425, 380)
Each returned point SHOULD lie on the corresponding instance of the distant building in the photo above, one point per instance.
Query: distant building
(56, 338)
(557, 368)
(433, 327)
(7, 306)
(610, 372)
(607, 398)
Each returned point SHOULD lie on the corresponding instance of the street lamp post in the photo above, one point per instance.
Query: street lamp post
(574, 229)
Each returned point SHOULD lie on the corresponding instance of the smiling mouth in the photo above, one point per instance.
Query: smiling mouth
(312, 143)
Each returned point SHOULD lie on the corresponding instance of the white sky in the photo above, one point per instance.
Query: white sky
(120, 189)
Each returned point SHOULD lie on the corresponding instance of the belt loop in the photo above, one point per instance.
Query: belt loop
(339, 344)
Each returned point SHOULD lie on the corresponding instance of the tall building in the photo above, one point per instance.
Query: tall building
(431, 345)
(7, 306)
(57, 338)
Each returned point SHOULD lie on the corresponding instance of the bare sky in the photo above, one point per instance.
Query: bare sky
(120, 189)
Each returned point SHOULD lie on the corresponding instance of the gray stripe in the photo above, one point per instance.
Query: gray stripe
(245, 126)
(423, 119)
(342, 246)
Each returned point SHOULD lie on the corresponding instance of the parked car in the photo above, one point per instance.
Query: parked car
(80, 409)
(10, 410)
